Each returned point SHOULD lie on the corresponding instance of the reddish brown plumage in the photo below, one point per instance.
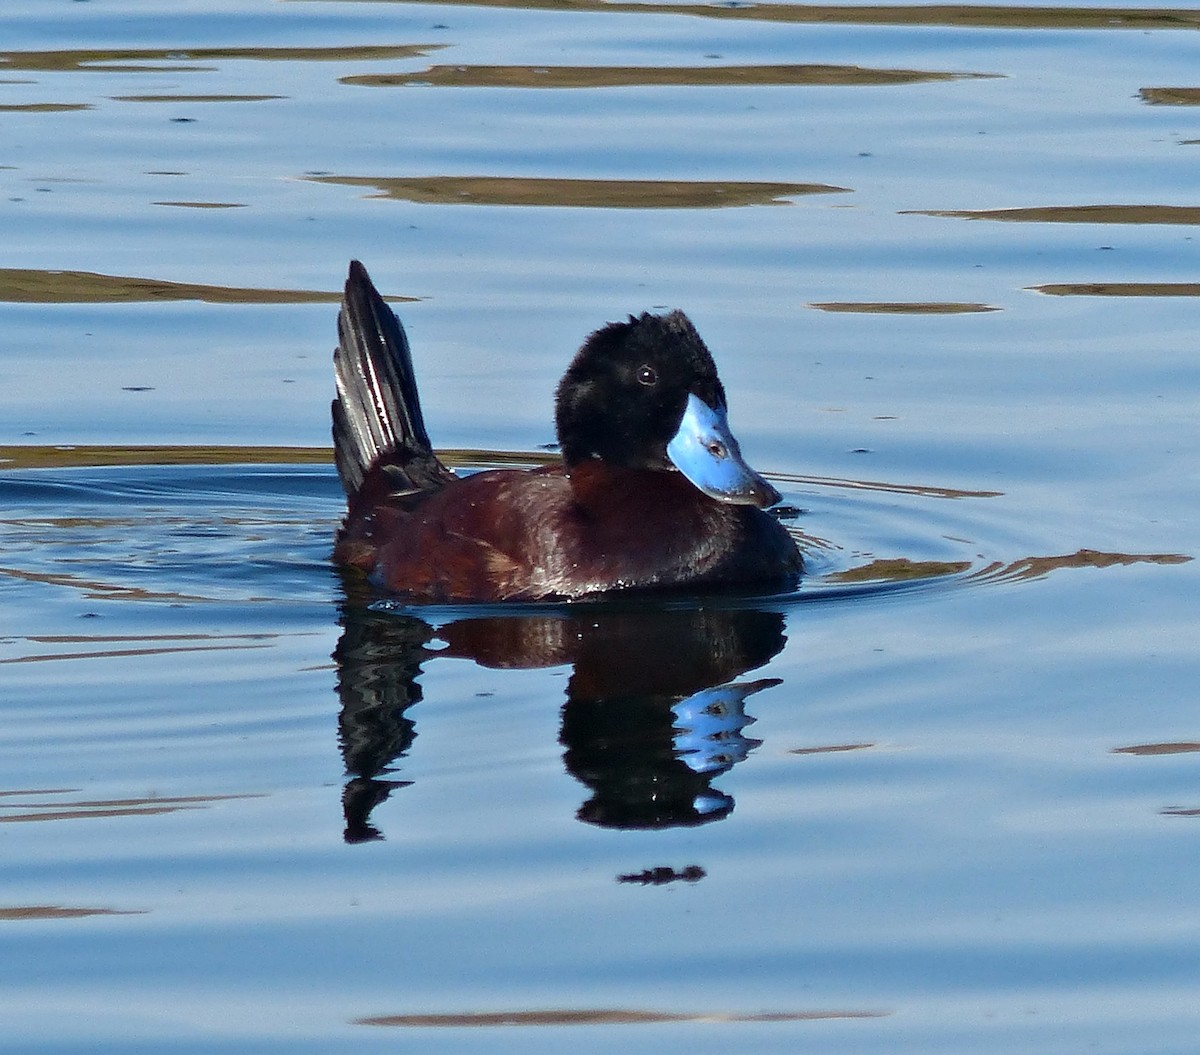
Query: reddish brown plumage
(510, 534)
(615, 516)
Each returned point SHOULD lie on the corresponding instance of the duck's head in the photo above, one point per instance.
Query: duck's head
(645, 394)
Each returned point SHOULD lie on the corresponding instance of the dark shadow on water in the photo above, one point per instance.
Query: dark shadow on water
(654, 711)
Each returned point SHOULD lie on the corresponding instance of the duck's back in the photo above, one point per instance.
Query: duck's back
(529, 535)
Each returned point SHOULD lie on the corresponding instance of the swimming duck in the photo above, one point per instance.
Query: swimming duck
(652, 493)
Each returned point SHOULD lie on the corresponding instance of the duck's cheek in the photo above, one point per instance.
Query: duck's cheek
(704, 450)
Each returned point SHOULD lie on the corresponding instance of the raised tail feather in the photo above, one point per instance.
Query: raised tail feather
(377, 421)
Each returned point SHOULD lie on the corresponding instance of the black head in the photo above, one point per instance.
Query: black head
(624, 394)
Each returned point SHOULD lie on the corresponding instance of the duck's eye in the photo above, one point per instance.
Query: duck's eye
(647, 375)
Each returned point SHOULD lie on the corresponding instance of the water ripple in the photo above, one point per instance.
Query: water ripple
(187, 525)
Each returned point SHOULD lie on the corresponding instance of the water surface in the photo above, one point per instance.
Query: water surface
(942, 798)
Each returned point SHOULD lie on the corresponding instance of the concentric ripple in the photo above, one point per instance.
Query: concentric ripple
(255, 525)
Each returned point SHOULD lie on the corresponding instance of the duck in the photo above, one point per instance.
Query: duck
(652, 494)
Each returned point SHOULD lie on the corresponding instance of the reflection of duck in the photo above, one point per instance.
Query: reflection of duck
(652, 715)
(652, 493)
(378, 660)
(652, 718)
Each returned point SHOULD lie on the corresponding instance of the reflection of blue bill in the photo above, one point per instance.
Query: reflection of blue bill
(708, 727)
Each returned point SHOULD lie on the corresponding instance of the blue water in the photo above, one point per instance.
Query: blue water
(943, 798)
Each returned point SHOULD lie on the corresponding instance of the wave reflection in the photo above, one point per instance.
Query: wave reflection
(995, 16)
(579, 193)
(453, 76)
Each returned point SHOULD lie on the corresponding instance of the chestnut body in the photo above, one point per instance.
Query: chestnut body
(618, 515)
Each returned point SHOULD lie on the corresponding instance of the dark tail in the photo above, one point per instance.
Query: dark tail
(377, 421)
